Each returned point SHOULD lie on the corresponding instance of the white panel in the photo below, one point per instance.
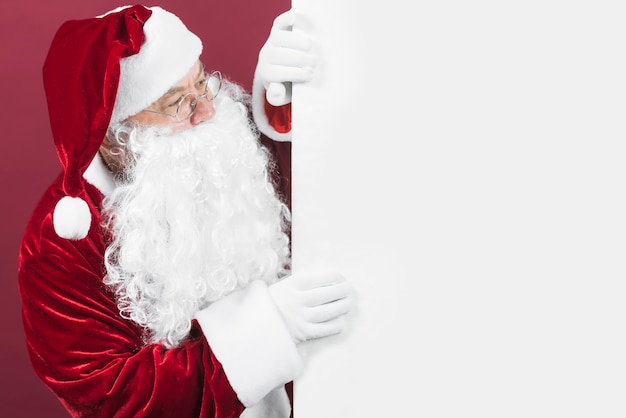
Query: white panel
(463, 163)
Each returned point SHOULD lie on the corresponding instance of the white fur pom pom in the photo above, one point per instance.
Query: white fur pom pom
(71, 218)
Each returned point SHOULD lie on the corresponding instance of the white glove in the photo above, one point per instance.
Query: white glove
(312, 304)
(285, 58)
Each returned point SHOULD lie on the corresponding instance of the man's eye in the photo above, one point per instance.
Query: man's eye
(176, 103)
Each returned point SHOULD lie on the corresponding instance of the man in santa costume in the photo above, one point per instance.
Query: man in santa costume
(154, 272)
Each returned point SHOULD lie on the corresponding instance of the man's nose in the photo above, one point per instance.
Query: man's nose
(205, 110)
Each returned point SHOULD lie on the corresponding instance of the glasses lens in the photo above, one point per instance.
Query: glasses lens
(186, 106)
(214, 82)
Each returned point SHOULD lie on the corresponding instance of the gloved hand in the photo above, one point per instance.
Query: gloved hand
(285, 58)
(312, 304)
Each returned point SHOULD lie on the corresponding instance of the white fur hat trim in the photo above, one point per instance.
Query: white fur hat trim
(168, 52)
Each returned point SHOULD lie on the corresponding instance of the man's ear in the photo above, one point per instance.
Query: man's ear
(112, 154)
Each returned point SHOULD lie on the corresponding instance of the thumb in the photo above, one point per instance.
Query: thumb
(277, 94)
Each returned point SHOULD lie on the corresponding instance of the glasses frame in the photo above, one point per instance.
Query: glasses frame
(194, 102)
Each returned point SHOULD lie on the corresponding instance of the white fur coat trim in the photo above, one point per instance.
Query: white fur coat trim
(251, 341)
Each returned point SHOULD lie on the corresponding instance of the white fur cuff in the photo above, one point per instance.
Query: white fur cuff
(249, 338)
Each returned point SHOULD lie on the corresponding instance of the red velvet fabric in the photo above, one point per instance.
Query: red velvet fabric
(93, 359)
(81, 75)
(281, 162)
(279, 117)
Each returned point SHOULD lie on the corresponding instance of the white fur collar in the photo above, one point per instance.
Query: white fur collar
(100, 176)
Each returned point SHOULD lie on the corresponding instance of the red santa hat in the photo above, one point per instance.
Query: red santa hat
(98, 72)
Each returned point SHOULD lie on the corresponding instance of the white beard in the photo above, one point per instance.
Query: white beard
(195, 218)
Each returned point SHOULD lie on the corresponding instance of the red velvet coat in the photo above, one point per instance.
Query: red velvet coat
(93, 359)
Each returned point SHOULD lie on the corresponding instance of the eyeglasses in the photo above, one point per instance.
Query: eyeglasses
(189, 102)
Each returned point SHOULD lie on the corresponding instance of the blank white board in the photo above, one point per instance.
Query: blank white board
(464, 165)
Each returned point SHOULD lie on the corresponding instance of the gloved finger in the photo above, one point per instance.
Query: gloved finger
(278, 94)
(291, 40)
(325, 294)
(284, 20)
(328, 328)
(291, 58)
(289, 74)
(328, 311)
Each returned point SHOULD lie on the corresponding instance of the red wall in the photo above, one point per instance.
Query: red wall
(232, 31)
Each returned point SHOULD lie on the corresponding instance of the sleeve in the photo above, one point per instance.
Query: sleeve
(95, 361)
(274, 124)
(280, 163)
(272, 121)
(252, 343)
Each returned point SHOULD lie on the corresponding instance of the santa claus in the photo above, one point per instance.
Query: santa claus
(155, 271)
